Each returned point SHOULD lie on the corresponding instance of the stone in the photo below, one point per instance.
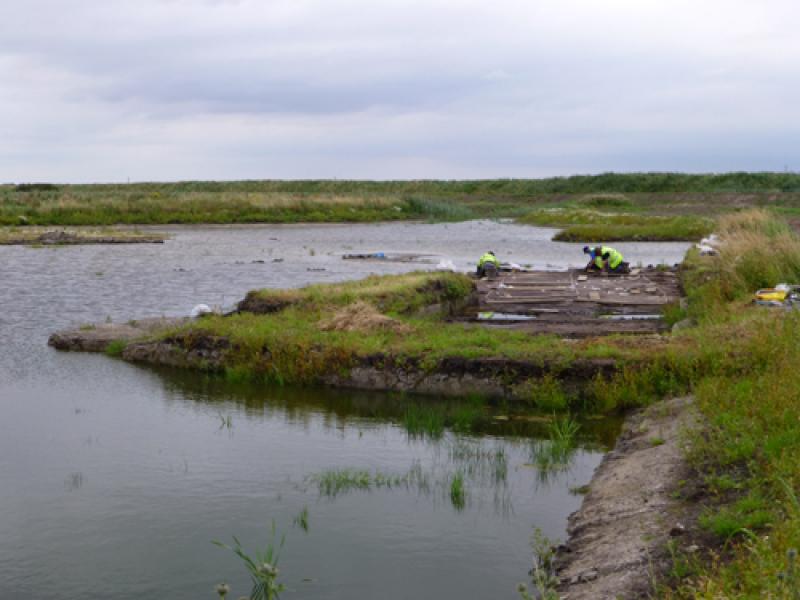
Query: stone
(677, 530)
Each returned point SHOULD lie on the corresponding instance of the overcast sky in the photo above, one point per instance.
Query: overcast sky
(112, 90)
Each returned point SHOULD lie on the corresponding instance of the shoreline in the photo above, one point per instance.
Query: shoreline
(617, 545)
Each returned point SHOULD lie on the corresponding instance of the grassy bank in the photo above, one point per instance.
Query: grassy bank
(300, 336)
(172, 206)
(585, 225)
(361, 201)
(745, 453)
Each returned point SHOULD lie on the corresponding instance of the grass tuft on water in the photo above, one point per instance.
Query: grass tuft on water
(337, 481)
(555, 453)
(458, 493)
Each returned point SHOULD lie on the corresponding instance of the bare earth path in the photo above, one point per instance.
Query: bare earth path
(617, 538)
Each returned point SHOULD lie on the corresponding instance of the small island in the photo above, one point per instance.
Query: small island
(48, 236)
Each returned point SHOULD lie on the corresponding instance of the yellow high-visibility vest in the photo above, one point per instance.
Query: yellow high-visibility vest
(488, 258)
(614, 257)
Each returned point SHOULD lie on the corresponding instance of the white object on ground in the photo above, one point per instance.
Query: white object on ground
(201, 309)
(445, 265)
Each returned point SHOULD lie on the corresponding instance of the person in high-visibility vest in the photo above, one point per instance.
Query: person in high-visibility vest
(605, 258)
(488, 264)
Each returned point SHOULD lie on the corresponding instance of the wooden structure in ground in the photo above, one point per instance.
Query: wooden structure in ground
(578, 304)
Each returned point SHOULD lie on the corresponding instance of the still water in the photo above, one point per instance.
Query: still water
(114, 479)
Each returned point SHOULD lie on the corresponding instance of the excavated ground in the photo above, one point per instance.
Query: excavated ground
(618, 539)
(98, 337)
(578, 304)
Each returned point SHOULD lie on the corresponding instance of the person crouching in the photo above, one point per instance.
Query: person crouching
(605, 258)
(488, 265)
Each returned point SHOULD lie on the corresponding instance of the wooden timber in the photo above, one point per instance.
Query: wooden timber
(576, 304)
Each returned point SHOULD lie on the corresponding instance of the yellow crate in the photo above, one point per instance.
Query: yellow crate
(772, 294)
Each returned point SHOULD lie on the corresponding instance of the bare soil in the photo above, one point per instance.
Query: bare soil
(97, 337)
(74, 237)
(617, 540)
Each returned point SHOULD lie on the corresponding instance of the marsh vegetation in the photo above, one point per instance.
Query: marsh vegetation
(367, 201)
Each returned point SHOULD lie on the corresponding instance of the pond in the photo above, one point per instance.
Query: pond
(117, 478)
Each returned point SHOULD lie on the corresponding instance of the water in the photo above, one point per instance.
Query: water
(115, 478)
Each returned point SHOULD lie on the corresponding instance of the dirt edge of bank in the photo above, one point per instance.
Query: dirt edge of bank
(617, 541)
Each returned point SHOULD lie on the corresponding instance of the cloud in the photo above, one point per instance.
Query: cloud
(348, 88)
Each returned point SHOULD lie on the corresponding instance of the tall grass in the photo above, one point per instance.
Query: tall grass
(353, 201)
(746, 450)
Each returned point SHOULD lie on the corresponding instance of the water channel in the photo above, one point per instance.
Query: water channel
(116, 478)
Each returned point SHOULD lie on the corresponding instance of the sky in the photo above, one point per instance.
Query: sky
(164, 90)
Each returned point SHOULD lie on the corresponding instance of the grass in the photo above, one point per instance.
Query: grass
(301, 520)
(424, 421)
(337, 481)
(458, 494)
(116, 347)
(294, 344)
(555, 453)
(430, 419)
(165, 204)
(745, 379)
(359, 201)
(477, 461)
(591, 226)
(262, 566)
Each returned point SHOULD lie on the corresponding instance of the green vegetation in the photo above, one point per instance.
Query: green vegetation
(746, 393)
(477, 461)
(333, 482)
(458, 495)
(301, 520)
(262, 566)
(424, 421)
(316, 332)
(555, 453)
(582, 225)
(358, 201)
(431, 419)
(116, 348)
(543, 578)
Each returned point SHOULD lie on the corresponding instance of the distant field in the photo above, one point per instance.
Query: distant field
(645, 194)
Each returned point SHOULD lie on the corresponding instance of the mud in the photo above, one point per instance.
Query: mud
(97, 337)
(617, 540)
(71, 238)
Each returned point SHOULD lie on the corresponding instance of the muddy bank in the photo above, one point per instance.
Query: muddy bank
(75, 237)
(617, 540)
(99, 336)
(454, 376)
